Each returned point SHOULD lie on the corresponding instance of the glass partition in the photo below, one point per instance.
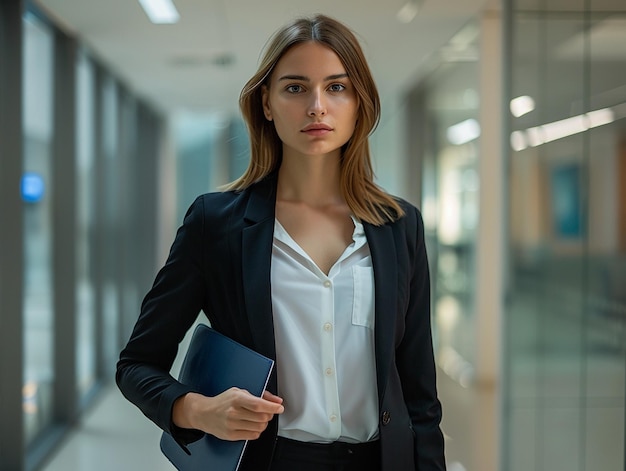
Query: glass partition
(566, 320)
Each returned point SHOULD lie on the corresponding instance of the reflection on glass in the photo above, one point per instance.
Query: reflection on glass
(38, 299)
(450, 206)
(110, 221)
(85, 307)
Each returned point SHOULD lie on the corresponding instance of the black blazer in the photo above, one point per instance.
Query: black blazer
(219, 263)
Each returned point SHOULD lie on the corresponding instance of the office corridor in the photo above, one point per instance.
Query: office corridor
(503, 121)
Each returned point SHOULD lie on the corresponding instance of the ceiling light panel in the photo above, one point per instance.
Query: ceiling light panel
(160, 11)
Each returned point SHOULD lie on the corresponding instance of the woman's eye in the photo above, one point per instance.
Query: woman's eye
(294, 88)
(337, 87)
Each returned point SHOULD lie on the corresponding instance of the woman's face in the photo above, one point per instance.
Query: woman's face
(311, 101)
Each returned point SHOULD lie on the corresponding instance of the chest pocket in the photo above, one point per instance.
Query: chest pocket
(363, 302)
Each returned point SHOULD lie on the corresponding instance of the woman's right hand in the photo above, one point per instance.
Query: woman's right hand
(232, 415)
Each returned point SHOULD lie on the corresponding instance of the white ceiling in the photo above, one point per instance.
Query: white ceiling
(176, 67)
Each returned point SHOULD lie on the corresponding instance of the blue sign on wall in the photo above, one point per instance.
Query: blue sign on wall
(567, 201)
(33, 187)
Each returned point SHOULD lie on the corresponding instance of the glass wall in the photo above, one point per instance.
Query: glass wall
(87, 147)
(37, 191)
(565, 333)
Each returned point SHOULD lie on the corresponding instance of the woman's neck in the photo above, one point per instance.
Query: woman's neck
(313, 180)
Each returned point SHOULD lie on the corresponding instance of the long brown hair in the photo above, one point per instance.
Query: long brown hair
(366, 200)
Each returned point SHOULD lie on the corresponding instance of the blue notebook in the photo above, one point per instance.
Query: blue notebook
(213, 364)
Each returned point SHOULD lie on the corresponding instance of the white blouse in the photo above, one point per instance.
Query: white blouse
(324, 332)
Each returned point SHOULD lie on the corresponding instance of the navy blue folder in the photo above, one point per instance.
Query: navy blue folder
(213, 364)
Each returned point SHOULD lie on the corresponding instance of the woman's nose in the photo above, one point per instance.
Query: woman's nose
(317, 106)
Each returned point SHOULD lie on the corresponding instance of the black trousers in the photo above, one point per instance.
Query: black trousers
(291, 455)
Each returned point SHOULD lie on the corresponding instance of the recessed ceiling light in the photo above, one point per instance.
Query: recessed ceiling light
(463, 132)
(408, 11)
(160, 11)
(522, 105)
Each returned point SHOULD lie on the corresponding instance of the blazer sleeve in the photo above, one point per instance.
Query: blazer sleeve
(415, 358)
(167, 312)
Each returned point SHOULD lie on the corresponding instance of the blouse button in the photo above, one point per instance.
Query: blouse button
(333, 418)
(328, 326)
(329, 371)
(327, 284)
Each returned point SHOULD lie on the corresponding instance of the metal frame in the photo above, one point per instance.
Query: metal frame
(11, 236)
(64, 228)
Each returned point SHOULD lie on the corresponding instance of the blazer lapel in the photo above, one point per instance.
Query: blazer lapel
(384, 261)
(256, 258)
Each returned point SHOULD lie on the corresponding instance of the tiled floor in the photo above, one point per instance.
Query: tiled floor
(114, 435)
(469, 425)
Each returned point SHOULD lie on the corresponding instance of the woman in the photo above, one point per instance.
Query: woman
(307, 261)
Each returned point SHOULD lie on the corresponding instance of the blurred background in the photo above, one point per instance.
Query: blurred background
(503, 120)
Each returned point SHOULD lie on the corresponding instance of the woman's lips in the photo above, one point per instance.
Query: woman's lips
(317, 129)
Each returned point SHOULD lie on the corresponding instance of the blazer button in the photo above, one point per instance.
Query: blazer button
(386, 418)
